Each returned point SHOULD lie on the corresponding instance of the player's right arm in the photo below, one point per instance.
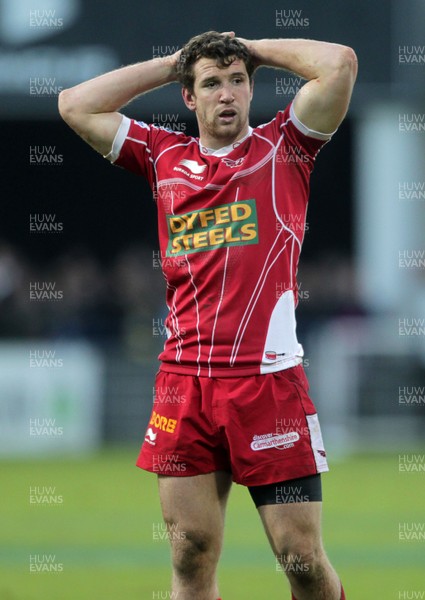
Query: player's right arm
(91, 108)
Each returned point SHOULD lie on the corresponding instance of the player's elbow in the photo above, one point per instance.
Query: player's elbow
(68, 108)
(346, 62)
(65, 105)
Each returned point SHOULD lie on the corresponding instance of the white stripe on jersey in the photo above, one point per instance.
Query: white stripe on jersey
(139, 142)
(172, 203)
(198, 360)
(165, 182)
(175, 321)
(208, 186)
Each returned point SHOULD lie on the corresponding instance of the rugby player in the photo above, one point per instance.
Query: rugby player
(232, 399)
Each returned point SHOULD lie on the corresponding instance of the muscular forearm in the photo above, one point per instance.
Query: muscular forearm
(309, 59)
(108, 93)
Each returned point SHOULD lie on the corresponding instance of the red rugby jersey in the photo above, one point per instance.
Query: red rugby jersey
(231, 223)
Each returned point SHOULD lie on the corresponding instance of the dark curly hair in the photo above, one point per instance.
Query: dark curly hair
(223, 48)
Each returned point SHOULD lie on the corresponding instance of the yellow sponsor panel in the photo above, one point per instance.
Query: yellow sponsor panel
(232, 224)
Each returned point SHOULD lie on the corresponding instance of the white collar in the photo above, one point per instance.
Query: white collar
(225, 149)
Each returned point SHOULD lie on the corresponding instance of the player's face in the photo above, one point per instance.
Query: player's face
(221, 98)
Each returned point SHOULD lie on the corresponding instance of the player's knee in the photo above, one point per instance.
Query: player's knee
(300, 561)
(194, 555)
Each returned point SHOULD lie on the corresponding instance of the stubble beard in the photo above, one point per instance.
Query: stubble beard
(226, 133)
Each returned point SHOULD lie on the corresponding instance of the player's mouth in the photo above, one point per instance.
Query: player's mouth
(228, 115)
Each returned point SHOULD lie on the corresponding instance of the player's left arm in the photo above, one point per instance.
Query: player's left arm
(330, 69)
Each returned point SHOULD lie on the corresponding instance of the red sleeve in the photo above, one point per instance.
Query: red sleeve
(137, 145)
(287, 131)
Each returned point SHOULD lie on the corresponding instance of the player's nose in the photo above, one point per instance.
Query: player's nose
(226, 94)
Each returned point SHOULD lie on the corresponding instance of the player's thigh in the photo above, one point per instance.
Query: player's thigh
(294, 527)
(196, 503)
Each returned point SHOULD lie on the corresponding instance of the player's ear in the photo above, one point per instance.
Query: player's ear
(251, 85)
(189, 99)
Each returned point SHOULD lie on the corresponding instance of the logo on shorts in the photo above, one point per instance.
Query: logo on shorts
(150, 436)
(163, 423)
(281, 441)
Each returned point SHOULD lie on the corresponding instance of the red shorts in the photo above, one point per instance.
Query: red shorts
(262, 428)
